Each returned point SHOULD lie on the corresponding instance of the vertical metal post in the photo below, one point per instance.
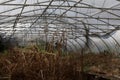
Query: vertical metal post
(83, 50)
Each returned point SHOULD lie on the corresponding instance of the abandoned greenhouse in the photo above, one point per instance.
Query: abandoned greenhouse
(59, 39)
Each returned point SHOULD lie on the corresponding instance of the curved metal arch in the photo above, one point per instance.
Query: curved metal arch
(105, 43)
(113, 39)
(81, 39)
(64, 9)
(83, 14)
(95, 45)
(84, 42)
(34, 4)
(89, 24)
(101, 12)
(26, 11)
(33, 10)
(58, 8)
(91, 17)
(73, 45)
(79, 20)
(89, 46)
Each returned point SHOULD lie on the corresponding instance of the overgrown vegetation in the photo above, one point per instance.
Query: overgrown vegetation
(29, 64)
(32, 63)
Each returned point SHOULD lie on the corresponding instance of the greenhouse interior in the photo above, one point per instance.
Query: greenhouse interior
(59, 39)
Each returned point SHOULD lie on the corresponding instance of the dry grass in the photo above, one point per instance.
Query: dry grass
(32, 64)
(107, 64)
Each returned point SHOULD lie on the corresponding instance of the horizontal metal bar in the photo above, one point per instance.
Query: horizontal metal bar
(60, 6)
(54, 16)
(64, 24)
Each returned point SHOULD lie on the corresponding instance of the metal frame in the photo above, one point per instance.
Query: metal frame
(45, 12)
